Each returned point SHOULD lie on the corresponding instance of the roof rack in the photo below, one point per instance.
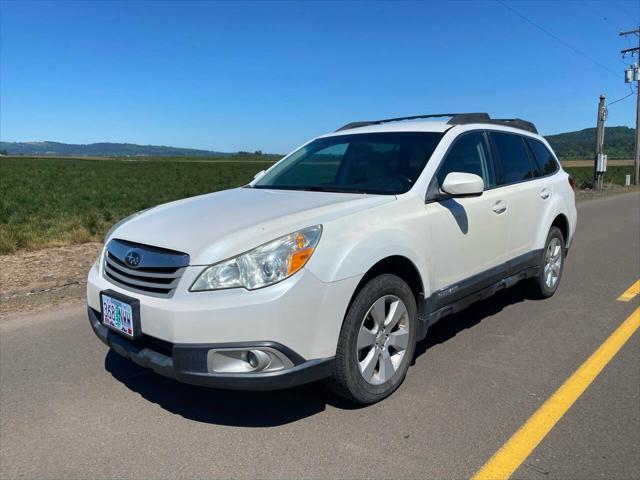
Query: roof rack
(515, 123)
(455, 119)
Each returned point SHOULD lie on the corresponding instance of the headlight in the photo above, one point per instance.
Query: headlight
(265, 265)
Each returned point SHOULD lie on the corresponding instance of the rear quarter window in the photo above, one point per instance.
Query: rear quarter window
(513, 158)
(545, 162)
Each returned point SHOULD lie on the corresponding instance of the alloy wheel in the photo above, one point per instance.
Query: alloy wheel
(383, 339)
(552, 263)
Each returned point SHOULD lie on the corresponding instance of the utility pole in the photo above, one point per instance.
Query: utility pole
(632, 75)
(597, 167)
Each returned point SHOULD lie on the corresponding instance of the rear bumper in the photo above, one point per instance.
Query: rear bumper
(187, 362)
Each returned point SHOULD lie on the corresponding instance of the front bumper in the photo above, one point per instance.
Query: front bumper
(301, 312)
(188, 363)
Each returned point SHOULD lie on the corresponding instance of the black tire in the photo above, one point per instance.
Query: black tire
(347, 380)
(537, 287)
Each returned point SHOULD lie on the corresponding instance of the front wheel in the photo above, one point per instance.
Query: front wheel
(377, 341)
(545, 284)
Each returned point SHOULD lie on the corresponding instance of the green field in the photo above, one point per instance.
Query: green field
(583, 176)
(47, 201)
(60, 201)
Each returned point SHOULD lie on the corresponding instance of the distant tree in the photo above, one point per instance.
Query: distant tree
(580, 145)
(258, 152)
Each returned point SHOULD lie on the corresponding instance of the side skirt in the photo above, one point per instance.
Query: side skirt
(479, 287)
(483, 294)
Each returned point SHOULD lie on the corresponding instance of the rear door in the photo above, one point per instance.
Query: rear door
(468, 234)
(527, 190)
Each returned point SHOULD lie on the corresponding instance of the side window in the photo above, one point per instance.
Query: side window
(469, 154)
(512, 156)
(546, 163)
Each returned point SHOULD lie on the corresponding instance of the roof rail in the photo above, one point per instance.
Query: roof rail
(351, 125)
(456, 119)
(518, 123)
(507, 122)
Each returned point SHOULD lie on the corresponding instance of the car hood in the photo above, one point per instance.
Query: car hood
(216, 226)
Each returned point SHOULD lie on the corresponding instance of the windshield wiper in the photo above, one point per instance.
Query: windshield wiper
(311, 188)
(317, 188)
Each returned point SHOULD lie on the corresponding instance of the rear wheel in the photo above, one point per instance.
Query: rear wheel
(377, 341)
(545, 284)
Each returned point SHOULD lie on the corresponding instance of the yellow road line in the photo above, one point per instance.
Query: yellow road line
(521, 444)
(630, 292)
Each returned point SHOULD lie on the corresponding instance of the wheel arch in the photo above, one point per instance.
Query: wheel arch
(562, 222)
(400, 266)
(557, 215)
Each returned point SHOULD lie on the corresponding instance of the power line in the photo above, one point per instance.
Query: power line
(620, 99)
(558, 39)
(617, 4)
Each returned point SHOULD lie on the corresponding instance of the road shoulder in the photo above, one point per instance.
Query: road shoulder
(42, 279)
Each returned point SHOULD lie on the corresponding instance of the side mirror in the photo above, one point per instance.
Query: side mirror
(259, 175)
(458, 184)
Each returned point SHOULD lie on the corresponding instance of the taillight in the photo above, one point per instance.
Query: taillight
(573, 185)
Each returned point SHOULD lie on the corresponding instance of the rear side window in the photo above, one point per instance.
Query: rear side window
(513, 157)
(545, 162)
(469, 154)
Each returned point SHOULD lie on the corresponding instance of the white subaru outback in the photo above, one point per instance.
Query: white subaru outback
(334, 262)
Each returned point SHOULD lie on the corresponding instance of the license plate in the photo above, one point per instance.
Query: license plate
(118, 315)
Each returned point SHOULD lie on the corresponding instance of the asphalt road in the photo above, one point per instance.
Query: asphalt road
(70, 409)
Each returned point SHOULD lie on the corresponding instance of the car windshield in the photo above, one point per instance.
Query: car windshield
(378, 163)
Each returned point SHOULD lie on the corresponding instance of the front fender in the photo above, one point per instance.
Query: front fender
(351, 246)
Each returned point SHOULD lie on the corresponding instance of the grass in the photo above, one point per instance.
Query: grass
(583, 176)
(49, 202)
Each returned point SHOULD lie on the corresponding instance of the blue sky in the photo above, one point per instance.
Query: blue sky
(270, 75)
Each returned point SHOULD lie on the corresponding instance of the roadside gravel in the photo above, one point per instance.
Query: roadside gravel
(31, 281)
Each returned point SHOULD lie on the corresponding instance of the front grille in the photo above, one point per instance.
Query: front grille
(157, 272)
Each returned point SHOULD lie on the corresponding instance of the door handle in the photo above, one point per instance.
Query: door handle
(499, 207)
(545, 193)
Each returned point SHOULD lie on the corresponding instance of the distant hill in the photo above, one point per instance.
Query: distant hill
(101, 150)
(619, 143)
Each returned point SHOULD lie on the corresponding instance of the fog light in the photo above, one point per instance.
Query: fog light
(258, 359)
(255, 360)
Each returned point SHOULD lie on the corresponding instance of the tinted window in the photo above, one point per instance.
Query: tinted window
(384, 163)
(545, 162)
(513, 157)
(469, 154)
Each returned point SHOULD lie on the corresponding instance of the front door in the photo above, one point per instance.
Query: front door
(468, 234)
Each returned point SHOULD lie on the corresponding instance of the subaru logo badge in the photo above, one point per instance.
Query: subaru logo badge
(132, 258)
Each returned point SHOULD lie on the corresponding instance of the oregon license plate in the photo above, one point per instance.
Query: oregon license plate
(118, 315)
